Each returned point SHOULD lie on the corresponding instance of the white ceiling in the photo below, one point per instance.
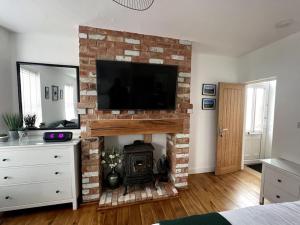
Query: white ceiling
(232, 27)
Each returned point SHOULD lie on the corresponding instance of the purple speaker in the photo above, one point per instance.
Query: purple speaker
(57, 136)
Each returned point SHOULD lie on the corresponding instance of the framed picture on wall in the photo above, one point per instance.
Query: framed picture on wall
(54, 93)
(209, 103)
(47, 92)
(209, 89)
(61, 94)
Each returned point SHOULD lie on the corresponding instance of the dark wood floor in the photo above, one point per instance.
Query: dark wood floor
(207, 193)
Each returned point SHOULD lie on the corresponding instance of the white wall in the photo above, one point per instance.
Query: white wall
(206, 68)
(280, 59)
(43, 48)
(47, 48)
(6, 54)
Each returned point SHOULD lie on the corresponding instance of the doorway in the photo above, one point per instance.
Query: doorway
(259, 120)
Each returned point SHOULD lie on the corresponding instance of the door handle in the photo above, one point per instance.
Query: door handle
(222, 130)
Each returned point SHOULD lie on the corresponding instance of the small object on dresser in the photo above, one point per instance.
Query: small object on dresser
(13, 123)
(57, 136)
(29, 121)
(4, 137)
(22, 133)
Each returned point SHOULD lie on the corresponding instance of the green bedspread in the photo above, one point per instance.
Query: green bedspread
(206, 219)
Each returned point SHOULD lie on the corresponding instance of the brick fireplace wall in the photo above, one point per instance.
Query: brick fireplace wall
(98, 43)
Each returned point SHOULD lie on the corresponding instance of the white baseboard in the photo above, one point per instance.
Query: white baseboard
(252, 161)
(201, 170)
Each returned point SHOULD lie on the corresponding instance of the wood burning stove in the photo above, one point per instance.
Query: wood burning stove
(138, 164)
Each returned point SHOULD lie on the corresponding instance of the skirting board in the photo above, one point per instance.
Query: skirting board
(252, 161)
(202, 170)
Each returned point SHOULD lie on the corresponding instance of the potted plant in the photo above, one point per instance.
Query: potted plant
(111, 158)
(29, 121)
(13, 123)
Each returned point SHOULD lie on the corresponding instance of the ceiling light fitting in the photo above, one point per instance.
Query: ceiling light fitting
(139, 5)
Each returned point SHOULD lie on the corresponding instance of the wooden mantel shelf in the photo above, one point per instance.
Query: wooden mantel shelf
(99, 128)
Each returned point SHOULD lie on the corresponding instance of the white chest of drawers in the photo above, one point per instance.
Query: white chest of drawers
(280, 181)
(34, 173)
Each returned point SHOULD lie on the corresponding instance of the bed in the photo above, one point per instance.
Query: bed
(272, 214)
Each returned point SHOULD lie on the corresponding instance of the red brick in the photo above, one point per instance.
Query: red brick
(86, 105)
(182, 151)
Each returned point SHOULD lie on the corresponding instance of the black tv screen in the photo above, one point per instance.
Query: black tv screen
(133, 86)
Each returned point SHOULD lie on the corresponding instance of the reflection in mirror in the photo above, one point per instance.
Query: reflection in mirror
(50, 93)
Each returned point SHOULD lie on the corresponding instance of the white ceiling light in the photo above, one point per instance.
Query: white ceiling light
(140, 5)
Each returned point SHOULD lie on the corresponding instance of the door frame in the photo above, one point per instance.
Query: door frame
(243, 146)
(263, 135)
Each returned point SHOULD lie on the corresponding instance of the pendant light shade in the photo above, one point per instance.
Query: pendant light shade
(139, 5)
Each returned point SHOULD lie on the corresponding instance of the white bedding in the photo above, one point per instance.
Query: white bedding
(273, 214)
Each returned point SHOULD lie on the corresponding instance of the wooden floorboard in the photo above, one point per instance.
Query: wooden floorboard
(206, 193)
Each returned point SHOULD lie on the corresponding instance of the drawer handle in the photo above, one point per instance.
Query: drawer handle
(4, 160)
(7, 197)
(56, 173)
(279, 181)
(278, 196)
(56, 156)
(5, 178)
(57, 192)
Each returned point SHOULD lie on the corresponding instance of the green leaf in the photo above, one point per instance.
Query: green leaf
(13, 121)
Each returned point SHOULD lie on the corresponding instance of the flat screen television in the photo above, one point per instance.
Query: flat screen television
(136, 86)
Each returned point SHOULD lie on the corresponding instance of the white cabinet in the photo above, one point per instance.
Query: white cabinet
(48, 155)
(280, 181)
(34, 173)
(35, 194)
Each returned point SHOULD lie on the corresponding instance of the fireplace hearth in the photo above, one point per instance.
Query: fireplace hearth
(138, 164)
(140, 184)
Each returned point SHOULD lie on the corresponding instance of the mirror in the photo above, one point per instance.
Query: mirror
(48, 95)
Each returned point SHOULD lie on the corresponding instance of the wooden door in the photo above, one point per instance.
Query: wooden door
(230, 128)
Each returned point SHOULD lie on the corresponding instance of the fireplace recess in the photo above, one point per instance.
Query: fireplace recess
(138, 164)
